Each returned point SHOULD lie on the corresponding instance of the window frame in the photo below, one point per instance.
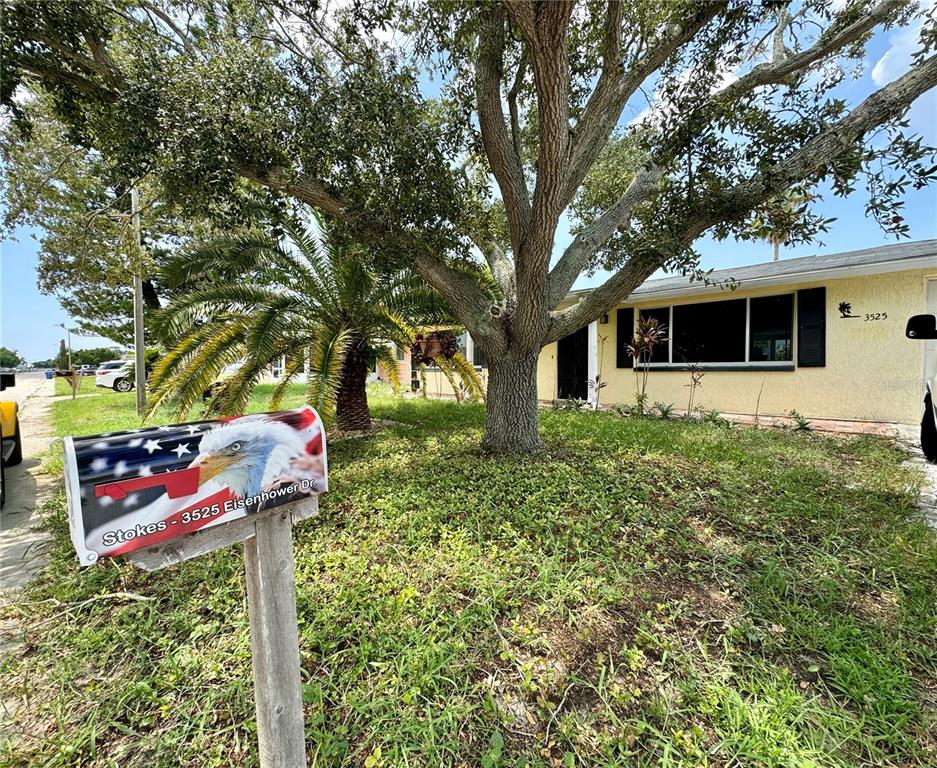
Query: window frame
(748, 329)
(748, 363)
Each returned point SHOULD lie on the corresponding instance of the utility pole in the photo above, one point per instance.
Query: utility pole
(139, 356)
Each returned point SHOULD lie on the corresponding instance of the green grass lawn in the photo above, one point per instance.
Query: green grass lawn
(647, 593)
(85, 386)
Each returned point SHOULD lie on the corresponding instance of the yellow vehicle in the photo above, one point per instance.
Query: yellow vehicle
(11, 444)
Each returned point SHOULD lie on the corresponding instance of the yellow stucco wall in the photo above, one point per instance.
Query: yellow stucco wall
(872, 372)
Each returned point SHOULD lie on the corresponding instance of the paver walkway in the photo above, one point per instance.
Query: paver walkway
(21, 546)
(909, 439)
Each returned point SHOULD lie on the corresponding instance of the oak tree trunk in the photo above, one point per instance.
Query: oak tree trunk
(511, 403)
(351, 402)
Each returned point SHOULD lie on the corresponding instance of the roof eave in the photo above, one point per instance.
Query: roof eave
(806, 276)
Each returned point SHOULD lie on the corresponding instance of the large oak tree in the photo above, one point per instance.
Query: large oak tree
(322, 104)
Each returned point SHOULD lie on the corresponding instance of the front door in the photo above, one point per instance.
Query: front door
(572, 365)
(930, 346)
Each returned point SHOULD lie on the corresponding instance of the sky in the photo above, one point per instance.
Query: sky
(28, 320)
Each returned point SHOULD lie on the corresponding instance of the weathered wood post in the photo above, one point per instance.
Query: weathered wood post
(271, 599)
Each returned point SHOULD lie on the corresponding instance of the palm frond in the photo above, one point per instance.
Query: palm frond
(294, 366)
(227, 255)
(177, 356)
(326, 357)
(422, 304)
(462, 376)
(389, 326)
(267, 339)
(185, 387)
(388, 358)
(203, 303)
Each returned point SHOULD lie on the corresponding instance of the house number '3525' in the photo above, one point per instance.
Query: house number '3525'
(872, 316)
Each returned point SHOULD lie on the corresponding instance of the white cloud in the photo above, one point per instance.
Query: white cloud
(897, 59)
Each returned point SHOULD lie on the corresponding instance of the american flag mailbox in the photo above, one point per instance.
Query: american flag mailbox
(129, 491)
(160, 495)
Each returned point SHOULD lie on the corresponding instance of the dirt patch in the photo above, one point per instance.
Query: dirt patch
(878, 607)
(707, 535)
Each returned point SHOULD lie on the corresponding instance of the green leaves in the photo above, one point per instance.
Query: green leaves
(255, 298)
(326, 357)
(492, 756)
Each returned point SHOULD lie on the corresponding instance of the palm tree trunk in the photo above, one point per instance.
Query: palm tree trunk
(351, 402)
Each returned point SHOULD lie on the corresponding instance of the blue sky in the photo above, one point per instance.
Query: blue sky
(28, 319)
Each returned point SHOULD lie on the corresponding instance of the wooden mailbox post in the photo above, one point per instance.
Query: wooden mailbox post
(194, 488)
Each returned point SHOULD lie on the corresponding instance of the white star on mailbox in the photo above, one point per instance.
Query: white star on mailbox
(181, 449)
(151, 445)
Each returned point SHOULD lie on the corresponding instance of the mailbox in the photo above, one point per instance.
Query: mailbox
(140, 488)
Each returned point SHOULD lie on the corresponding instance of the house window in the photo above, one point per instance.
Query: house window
(713, 332)
(730, 332)
(401, 353)
(771, 320)
(662, 315)
(479, 357)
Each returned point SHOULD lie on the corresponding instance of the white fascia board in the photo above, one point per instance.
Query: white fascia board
(810, 276)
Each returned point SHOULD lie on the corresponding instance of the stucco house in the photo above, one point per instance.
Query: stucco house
(822, 335)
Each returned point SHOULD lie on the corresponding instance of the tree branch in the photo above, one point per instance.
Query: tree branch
(66, 77)
(512, 104)
(167, 20)
(577, 255)
(306, 188)
(614, 88)
(502, 269)
(545, 32)
(502, 156)
(885, 104)
(463, 294)
(778, 70)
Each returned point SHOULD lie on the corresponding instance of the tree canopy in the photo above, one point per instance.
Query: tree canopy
(94, 355)
(324, 105)
(10, 358)
(287, 289)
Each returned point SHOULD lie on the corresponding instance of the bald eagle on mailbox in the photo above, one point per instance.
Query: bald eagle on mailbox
(249, 456)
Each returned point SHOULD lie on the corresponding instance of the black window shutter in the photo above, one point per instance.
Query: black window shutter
(625, 332)
(811, 327)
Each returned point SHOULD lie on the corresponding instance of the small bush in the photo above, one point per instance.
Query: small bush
(664, 410)
(801, 422)
(715, 418)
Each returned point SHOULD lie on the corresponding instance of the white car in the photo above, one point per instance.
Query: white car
(114, 374)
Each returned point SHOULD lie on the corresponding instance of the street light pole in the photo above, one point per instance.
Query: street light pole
(139, 356)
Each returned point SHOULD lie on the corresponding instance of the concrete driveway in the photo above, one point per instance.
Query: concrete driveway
(21, 547)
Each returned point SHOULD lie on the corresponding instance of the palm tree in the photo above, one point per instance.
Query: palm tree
(286, 294)
(782, 217)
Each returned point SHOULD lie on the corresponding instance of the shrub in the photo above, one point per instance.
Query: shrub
(664, 410)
